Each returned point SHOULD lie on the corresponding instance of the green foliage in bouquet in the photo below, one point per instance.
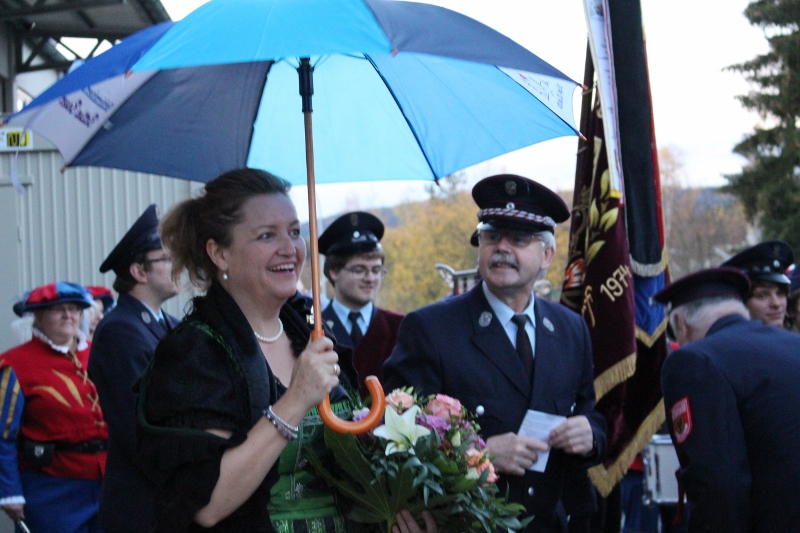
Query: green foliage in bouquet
(426, 455)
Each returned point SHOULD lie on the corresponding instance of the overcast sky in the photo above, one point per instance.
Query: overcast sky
(689, 43)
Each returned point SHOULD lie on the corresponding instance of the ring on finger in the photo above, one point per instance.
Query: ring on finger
(336, 369)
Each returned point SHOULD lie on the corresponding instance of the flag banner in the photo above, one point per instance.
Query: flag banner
(614, 269)
(598, 282)
(637, 141)
(602, 61)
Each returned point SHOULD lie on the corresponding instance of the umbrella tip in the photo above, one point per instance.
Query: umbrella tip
(128, 73)
(395, 51)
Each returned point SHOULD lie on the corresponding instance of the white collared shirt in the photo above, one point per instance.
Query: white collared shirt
(504, 314)
(342, 313)
(158, 316)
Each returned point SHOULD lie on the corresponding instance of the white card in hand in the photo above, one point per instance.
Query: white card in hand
(538, 425)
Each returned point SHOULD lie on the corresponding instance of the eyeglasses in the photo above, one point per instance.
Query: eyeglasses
(362, 271)
(515, 238)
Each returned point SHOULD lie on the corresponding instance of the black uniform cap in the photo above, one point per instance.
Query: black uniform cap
(511, 202)
(766, 261)
(794, 279)
(352, 233)
(141, 237)
(708, 283)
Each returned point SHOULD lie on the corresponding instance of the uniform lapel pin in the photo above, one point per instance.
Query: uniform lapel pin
(485, 319)
(330, 324)
(547, 324)
(146, 317)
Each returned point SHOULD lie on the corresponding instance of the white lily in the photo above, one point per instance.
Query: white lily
(401, 431)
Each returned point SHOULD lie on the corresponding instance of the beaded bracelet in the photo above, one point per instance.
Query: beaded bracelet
(287, 431)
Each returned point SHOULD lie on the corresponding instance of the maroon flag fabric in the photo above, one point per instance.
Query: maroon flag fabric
(598, 282)
(616, 255)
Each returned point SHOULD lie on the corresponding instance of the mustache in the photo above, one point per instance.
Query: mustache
(503, 259)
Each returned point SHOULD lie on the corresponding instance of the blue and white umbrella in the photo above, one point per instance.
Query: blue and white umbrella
(401, 91)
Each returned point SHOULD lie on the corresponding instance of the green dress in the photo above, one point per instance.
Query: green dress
(300, 501)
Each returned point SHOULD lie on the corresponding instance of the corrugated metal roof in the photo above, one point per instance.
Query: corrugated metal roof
(99, 19)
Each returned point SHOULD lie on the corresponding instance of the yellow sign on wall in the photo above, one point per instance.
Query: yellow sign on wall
(12, 139)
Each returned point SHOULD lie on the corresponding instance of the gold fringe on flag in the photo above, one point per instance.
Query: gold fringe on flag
(615, 375)
(605, 479)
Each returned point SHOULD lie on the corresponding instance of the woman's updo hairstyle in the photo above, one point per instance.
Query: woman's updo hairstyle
(188, 226)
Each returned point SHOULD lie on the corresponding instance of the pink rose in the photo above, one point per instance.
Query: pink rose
(400, 401)
(444, 407)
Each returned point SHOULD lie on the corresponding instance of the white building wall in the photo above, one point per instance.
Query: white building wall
(65, 224)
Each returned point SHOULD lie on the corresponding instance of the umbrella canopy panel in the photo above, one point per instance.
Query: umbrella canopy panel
(402, 91)
(409, 116)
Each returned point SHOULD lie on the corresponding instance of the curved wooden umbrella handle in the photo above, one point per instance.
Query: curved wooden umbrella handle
(361, 426)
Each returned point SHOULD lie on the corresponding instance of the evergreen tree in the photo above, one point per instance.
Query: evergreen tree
(769, 184)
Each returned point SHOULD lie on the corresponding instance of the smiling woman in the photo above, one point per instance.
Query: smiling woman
(228, 383)
(232, 388)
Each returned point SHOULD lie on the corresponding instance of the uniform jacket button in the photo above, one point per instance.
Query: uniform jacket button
(530, 491)
(479, 410)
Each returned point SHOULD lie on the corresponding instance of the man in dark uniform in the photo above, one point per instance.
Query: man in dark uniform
(123, 344)
(731, 393)
(354, 265)
(765, 264)
(471, 348)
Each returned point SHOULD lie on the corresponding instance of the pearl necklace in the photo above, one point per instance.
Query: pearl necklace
(270, 340)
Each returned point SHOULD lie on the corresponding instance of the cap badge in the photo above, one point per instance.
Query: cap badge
(353, 219)
(485, 319)
(547, 324)
(776, 263)
(511, 188)
(510, 205)
(146, 317)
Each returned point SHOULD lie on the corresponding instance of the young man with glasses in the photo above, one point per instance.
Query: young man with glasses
(354, 265)
(123, 344)
(503, 352)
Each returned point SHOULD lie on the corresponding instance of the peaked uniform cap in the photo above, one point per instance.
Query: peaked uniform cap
(511, 202)
(708, 283)
(53, 294)
(766, 261)
(794, 279)
(141, 237)
(352, 233)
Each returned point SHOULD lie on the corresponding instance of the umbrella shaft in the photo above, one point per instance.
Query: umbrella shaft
(313, 230)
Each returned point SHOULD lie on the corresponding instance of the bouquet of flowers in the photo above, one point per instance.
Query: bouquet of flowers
(426, 455)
